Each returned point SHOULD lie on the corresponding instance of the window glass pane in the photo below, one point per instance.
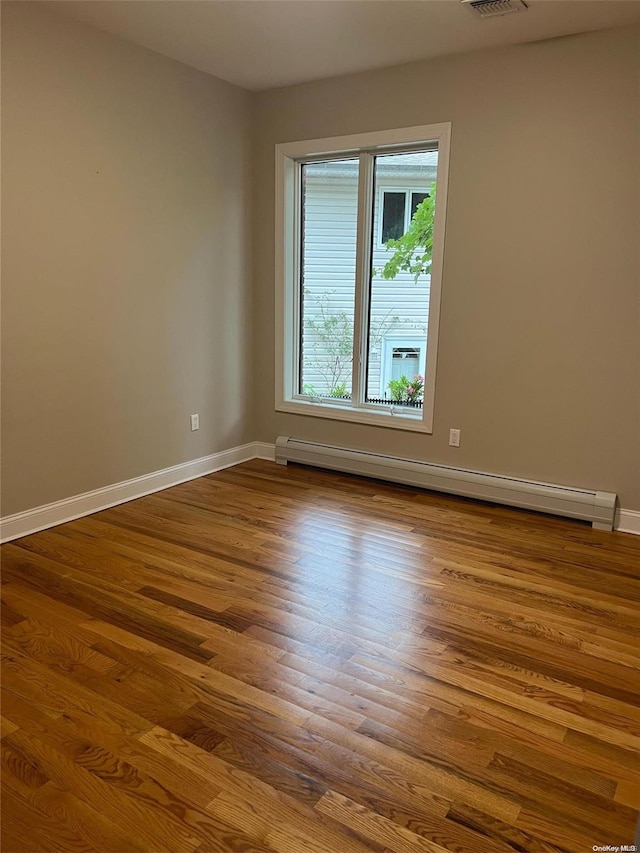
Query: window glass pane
(405, 361)
(416, 199)
(393, 205)
(399, 295)
(328, 269)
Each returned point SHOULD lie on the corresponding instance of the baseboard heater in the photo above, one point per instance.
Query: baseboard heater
(596, 507)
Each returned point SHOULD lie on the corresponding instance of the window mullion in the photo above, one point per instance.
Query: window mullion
(363, 277)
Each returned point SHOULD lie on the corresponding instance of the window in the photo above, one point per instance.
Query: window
(398, 209)
(357, 321)
(394, 217)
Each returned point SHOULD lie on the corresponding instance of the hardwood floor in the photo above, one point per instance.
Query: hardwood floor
(281, 659)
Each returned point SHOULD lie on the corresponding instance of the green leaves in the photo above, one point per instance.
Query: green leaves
(405, 390)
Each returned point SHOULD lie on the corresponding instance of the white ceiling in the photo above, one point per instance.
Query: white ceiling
(262, 44)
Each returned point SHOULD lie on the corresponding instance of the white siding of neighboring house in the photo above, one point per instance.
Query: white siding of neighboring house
(329, 267)
(329, 271)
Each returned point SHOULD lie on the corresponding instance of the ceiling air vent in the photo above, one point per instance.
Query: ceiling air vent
(490, 8)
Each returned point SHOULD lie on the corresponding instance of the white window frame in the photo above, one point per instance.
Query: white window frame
(289, 158)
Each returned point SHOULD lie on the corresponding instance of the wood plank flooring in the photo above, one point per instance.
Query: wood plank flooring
(282, 659)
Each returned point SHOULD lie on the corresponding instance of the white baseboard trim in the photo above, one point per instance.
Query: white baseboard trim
(50, 515)
(628, 521)
(264, 450)
(59, 512)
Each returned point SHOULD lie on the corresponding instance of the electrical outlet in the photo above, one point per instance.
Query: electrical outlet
(195, 422)
(454, 438)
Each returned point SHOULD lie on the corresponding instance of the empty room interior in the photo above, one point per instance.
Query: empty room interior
(320, 426)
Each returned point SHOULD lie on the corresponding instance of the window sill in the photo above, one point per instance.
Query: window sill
(370, 417)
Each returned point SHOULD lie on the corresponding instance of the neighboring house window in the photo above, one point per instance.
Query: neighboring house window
(357, 327)
(398, 208)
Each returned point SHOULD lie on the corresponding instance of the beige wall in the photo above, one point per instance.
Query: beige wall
(539, 359)
(126, 289)
(127, 223)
